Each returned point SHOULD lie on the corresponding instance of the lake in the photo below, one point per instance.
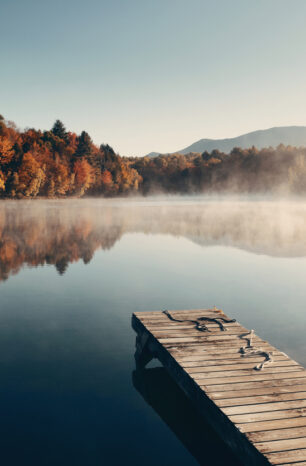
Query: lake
(71, 274)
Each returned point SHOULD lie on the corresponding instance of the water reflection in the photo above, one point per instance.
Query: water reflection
(60, 232)
(176, 410)
(66, 343)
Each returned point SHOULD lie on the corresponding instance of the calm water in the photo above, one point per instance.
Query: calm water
(72, 273)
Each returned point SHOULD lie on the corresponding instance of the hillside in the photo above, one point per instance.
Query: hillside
(272, 137)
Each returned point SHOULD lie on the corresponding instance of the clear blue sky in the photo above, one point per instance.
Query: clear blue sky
(147, 75)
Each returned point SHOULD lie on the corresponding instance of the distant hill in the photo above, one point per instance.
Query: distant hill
(153, 154)
(287, 135)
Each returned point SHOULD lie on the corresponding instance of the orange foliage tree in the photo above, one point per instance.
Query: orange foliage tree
(83, 176)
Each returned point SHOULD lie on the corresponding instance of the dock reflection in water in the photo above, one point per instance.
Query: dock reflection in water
(175, 409)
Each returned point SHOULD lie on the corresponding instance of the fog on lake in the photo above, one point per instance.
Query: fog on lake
(71, 274)
(61, 232)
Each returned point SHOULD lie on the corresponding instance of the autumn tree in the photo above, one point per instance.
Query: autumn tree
(31, 176)
(106, 181)
(83, 176)
(6, 151)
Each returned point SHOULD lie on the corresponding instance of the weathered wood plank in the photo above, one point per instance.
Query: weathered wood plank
(193, 332)
(272, 425)
(187, 321)
(215, 354)
(299, 463)
(206, 337)
(234, 364)
(192, 315)
(155, 325)
(209, 372)
(254, 378)
(223, 387)
(200, 345)
(291, 455)
(277, 434)
(267, 416)
(253, 400)
(287, 389)
(259, 408)
(177, 313)
(281, 445)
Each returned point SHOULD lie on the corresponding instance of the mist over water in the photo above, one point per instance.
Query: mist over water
(73, 271)
(61, 232)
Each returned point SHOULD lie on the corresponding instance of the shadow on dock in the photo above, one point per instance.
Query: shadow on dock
(175, 409)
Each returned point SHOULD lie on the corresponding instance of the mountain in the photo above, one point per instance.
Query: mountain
(153, 154)
(287, 135)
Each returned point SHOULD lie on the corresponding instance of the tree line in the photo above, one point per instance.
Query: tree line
(59, 163)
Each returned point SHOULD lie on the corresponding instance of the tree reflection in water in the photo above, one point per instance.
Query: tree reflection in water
(40, 232)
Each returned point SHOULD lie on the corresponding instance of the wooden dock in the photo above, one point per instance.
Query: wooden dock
(259, 414)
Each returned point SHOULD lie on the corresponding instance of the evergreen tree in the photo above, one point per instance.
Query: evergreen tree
(59, 130)
(84, 147)
(107, 149)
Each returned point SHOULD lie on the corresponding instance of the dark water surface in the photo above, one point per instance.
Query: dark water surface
(72, 273)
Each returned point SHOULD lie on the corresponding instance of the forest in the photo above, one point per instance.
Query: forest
(58, 163)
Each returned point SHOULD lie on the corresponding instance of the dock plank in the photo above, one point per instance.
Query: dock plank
(253, 378)
(279, 390)
(291, 455)
(299, 421)
(282, 445)
(202, 353)
(210, 372)
(267, 416)
(258, 408)
(223, 387)
(260, 399)
(299, 463)
(277, 434)
(234, 364)
(261, 414)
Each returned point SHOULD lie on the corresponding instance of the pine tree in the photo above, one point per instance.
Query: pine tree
(59, 130)
(84, 147)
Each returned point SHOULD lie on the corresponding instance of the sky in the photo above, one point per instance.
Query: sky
(153, 75)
